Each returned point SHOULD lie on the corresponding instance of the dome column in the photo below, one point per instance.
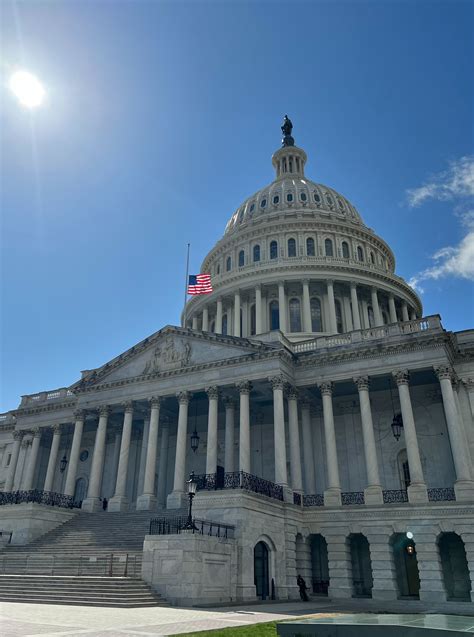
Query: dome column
(218, 326)
(237, 313)
(258, 310)
(355, 306)
(376, 307)
(405, 316)
(282, 306)
(205, 320)
(332, 495)
(195, 323)
(412, 315)
(392, 309)
(307, 327)
(332, 307)
(244, 388)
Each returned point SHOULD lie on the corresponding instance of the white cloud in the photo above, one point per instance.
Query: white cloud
(457, 181)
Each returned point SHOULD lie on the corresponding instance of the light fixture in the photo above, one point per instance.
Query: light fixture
(194, 435)
(192, 488)
(63, 464)
(409, 535)
(397, 421)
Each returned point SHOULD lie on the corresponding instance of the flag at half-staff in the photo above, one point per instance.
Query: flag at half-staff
(199, 284)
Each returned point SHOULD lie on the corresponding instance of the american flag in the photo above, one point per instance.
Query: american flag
(199, 284)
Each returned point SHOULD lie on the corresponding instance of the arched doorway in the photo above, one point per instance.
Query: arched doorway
(261, 570)
(320, 565)
(80, 490)
(362, 581)
(406, 566)
(454, 565)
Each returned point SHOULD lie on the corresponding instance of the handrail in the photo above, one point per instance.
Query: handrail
(49, 498)
(101, 565)
(171, 526)
(239, 480)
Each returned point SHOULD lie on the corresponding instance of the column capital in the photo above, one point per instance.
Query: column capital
(444, 371)
(18, 434)
(362, 383)
(291, 392)
(105, 410)
(305, 281)
(277, 382)
(154, 402)
(401, 376)
(79, 414)
(128, 406)
(183, 397)
(56, 429)
(373, 288)
(326, 388)
(330, 282)
(468, 383)
(26, 443)
(244, 386)
(212, 392)
(229, 402)
(353, 284)
(35, 432)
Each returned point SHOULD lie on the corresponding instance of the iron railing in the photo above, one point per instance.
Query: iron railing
(102, 565)
(314, 500)
(239, 480)
(297, 498)
(40, 497)
(172, 526)
(395, 496)
(441, 494)
(352, 497)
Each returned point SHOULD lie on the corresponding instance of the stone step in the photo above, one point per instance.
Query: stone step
(81, 601)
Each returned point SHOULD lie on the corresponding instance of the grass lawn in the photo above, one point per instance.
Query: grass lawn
(255, 630)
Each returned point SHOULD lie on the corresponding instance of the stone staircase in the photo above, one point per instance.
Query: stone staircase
(92, 559)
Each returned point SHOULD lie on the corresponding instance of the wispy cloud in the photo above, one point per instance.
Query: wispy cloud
(456, 184)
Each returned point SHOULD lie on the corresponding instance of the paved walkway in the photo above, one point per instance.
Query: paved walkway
(45, 620)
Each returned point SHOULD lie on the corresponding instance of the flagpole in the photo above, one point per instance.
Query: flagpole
(186, 287)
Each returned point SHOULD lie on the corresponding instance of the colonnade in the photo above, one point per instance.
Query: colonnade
(298, 412)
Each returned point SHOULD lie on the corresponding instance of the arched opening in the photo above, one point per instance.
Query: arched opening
(385, 317)
(316, 315)
(403, 469)
(320, 565)
(291, 248)
(256, 253)
(360, 254)
(241, 258)
(273, 249)
(339, 323)
(345, 250)
(261, 570)
(457, 581)
(328, 248)
(295, 315)
(310, 250)
(80, 490)
(274, 315)
(362, 581)
(253, 320)
(372, 258)
(370, 313)
(406, 566)
(228, 264)
(224, 325)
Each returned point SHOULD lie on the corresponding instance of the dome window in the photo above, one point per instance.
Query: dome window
(256, 253)
(252, 207)
(273, 250)
(289, 197)
(241, 215)
(295, 315)
(228, 264)
(276, 200)
(316, 197)
(218, 270)
(372, 258)
(253, 320)
(328, 248)
(310, 251)
(224, 325)
(263, 203)
(303, 196)
(316, 315)
(345, 250)
(339, 325)
(329, 200)
(241, 259)
(274, 315)
(360, 254)
(340, 204)
(291, 248)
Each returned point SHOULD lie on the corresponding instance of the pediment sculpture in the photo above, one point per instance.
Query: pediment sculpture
(169, 354)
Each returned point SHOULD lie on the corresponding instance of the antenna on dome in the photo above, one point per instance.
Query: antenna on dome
(286, 129)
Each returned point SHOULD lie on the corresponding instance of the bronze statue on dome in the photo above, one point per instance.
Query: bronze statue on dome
(286, 129)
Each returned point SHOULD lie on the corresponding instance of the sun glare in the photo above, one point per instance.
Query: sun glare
(27, 89)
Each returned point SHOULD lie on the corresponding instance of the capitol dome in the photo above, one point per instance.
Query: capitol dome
(296, 257)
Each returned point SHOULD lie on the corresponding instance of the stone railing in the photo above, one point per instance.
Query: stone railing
(45, 396)
(373, 333)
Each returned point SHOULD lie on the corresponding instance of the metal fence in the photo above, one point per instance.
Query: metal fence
(101, 565)
(40, 497)
(172, 526)
(239, 480)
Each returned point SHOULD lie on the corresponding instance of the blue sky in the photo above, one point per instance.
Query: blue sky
(162, 117)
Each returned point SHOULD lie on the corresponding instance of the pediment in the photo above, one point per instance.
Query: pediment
(171, 349)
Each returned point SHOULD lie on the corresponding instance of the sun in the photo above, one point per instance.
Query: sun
(27, 89)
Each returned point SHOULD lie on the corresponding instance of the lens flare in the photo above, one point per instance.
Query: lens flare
(27, 89)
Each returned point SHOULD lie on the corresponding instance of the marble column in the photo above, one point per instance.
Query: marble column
(412, 315)
(211, 456)
(205, 320)
(278, 384)
(309, 473)
(195, 323)
(17, 438)
(244, 388)
(119, 501)
(258, 310)
(332, 307)
(392, 309)
(355, 306)
(373, 491)
(307, 327)
(74, 454)
(143, 452)
(376, 307)
(163, 462)
(282, 306)
(32, 460)
(347, 313)
(218, 326)
(229, 434)
(177, 498)
(237, 314)
(294, 439)
(245, 332)
(417, 489)
(405, 316)
(92, 502)
(365, 314)
(464, 485)
(53, 458)
(332, 495)
(147, 500)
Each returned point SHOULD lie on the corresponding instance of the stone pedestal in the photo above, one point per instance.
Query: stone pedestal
(146, 502)
(118, 503)
(91, 505)
(332, 497)
(373, 495)
(177, 500)
(417, 493)
(464, 491)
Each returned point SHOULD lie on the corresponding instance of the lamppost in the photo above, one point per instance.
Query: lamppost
(192, 488)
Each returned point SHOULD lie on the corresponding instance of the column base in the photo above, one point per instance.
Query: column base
(373, 495)
(118, 503)
(287, 493)
(464, 490)
(91, 505)
(146, 502)
(176, 500)
(417, 493)
(332, 497)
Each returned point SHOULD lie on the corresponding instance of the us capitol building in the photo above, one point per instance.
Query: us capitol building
(328, 421)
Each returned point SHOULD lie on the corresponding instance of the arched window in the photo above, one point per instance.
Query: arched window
(241, 258)
(316, 316)
(256, 253)
(224, 325)
(339, 324)
(289, 197)
(370, 312)
(303, 196)
(295, 315)
(291, 248)
(218, 268)
(273, 250)
(274, 316)
(328, 248)
(310, 247)
(360, 254)
(372, 258)
(345, 250)
(276, 200)
(228, 264)
(253, 320)
(263, 203)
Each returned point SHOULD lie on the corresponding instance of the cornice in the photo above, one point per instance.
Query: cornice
(29, 411)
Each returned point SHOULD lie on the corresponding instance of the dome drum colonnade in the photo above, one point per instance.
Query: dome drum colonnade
(297, 257)
(299, 455)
